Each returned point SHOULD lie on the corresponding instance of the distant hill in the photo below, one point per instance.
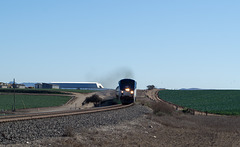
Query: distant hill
(195, 89)
(27, 84)
(191, 89)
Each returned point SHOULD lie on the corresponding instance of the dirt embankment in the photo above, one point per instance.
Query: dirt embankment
(153, 95)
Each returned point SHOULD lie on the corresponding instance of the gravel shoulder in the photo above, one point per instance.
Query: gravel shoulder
(151, 130)
(30, 130)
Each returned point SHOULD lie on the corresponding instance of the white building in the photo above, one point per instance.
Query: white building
(3, 85)
(46, 86)
(78, 85)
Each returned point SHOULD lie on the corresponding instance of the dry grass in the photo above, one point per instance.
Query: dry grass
(63, 142)
(159, 108)
(167, 130)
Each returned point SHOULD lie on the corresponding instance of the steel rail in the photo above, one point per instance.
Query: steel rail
(60, 113)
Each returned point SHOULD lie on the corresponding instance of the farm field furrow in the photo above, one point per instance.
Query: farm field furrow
(225, 102)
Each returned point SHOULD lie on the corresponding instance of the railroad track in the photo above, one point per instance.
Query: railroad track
(60, 113)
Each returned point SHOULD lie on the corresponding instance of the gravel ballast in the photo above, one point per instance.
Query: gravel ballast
(29, 130)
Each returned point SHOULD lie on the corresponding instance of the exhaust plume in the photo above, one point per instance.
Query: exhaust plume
(110, 80)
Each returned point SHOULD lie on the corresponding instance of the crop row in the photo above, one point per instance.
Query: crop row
(31, 101)
(214, 101)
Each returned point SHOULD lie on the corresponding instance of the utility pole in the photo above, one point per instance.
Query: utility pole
(14, 100)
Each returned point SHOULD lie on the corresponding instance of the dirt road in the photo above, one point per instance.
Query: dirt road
(74, 104)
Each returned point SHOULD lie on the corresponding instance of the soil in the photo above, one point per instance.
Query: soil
(176, 129)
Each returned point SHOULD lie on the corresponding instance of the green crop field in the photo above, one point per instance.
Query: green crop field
(44, 91)
(31, 101)
(225, 102)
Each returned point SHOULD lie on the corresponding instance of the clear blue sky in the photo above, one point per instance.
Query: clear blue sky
(171, 44)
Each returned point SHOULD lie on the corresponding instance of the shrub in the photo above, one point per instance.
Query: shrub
(160, 108)
(95, 99)
(68, 132)
(187, 110)
(150, 87)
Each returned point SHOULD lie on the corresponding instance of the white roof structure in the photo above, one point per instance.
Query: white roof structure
(78, 85)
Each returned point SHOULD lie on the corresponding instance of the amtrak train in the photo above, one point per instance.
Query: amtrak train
(126, 91)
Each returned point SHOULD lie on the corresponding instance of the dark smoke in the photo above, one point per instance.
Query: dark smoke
(110, 80)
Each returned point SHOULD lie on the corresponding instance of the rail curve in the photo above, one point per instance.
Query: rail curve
(60, 113)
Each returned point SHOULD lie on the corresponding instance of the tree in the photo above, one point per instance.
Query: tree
(150, 87)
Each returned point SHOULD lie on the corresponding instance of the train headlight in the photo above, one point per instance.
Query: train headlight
(132, 92)
(127, 89)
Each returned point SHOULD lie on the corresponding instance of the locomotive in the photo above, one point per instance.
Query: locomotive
(126, 91)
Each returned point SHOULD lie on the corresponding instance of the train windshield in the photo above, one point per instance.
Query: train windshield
(127, 83)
